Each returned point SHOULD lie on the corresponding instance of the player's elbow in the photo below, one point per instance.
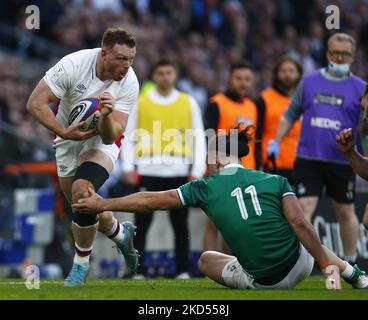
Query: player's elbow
(31, 106)
(107, 141)
(110, 137)
(299, 223)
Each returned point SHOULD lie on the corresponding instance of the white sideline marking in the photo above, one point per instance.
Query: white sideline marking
(23, 283)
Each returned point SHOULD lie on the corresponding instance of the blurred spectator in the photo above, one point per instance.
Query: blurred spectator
(274, 101)
(304, 56)
(162, 165)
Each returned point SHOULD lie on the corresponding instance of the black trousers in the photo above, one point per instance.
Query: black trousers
(178, 219)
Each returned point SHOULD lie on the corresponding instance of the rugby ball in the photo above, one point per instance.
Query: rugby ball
(87, 111)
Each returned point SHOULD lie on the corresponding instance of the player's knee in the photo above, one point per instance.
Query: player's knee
(80, 189)
(204, 261)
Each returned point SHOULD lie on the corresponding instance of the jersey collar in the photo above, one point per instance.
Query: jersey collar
(233, 165)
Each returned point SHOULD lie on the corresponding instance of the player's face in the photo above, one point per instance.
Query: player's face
(118, 60)
(164, 77)
(241, 81)
(288, 75)
(340, 52)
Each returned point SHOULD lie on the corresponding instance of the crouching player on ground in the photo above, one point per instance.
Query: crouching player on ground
(258, 214)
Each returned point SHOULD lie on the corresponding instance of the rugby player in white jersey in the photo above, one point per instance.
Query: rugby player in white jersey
(85, 158)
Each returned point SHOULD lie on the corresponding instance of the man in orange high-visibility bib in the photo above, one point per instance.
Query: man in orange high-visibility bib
(224, 112)
(275, 100)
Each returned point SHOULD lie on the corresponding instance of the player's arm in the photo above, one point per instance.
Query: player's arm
(38, 106)
(138, 202)
(303, 229)
(115, 114)
(346, 143)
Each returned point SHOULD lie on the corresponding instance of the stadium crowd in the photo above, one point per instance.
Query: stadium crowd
(202, 36)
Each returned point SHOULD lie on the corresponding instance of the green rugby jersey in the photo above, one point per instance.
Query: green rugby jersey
(246, 207)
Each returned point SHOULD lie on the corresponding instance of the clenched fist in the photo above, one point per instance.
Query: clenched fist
(346, 141)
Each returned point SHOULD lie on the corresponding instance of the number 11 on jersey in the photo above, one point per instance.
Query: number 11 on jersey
(237, 192)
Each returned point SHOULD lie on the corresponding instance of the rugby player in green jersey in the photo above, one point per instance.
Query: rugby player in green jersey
(258, 214)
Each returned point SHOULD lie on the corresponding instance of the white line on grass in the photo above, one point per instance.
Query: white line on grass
(24, 282)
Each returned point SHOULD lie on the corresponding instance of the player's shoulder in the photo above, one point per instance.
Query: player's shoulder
(78, 60)
(257, 176)
(82, 56)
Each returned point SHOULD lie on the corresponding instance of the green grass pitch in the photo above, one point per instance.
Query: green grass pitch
(167, 289)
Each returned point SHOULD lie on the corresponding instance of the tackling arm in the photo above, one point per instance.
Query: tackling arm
(138, 202)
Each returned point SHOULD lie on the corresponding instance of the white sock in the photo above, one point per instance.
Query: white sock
(348, 272)
(82, 255)
(116, 233)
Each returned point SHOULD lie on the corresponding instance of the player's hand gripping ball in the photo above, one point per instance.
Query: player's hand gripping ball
(86, 111)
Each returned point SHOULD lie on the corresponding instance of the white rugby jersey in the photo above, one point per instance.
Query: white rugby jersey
(74, 78)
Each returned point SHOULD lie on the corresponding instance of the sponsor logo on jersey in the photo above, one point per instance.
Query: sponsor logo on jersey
(63, 168)
(325, 123)
(330, 99)
(80, 88)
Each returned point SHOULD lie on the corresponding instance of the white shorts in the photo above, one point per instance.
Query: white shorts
(234, 275)
(67, 153)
